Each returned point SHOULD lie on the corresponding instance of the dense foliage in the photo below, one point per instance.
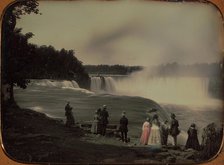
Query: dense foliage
(50, 63)
(22, 60)
(111, 69)
(14, 44)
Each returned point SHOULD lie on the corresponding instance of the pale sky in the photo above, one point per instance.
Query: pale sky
(128, 32)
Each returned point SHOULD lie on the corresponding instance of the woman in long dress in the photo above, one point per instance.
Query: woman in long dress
(192, 140)
(145, 132)
(94, 128)
(154, 137)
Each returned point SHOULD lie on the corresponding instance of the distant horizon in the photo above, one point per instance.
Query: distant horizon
(160, 64)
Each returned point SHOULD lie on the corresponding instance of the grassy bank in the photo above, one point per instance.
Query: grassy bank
(30, 136)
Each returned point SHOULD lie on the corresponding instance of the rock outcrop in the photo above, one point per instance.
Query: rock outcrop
(211, 141)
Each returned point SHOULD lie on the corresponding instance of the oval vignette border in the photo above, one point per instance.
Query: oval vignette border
(219, 160)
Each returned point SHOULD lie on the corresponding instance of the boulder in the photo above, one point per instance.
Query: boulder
(211, 140)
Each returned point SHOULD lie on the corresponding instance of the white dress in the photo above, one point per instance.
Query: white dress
(154, 137)
(95, 124)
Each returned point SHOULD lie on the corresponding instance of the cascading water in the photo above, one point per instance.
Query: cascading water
(172, 90)
(49, 96)
(55, 83)
(110, 84)
(103, 84)
(95, 84)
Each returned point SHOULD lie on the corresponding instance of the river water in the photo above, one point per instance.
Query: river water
(186, 97)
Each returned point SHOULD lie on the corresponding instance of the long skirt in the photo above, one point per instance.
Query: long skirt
(145, 136)
(154, 137)
(70, 121)
(94, 127)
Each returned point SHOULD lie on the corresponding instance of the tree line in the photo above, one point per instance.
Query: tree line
(22, 60)
(47, 62)
(111, 69)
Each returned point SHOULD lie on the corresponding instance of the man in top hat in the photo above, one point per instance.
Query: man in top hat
(174, 130)
(124, 127)
(104, 120)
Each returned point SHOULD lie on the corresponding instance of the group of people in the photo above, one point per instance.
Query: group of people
(155, 133)
(100, 121)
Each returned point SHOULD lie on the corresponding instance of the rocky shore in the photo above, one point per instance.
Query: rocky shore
(30, 136)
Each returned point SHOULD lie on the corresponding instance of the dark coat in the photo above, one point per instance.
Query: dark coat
(124, 124)
(68, 113)
(104, 117)
(174, 130)
(192, 140)
(164, 132)
(68, 110)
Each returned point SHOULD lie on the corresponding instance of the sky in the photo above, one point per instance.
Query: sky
(128, 32)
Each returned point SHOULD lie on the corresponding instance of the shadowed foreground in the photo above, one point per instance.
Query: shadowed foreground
(30, 136)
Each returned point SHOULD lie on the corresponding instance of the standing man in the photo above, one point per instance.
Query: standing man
(104, 115)
(124, 127)
(164, 130)
(69, 115)
(174, 130)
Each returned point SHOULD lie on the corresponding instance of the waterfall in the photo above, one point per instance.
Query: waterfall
(175, 90)
(95, 84)
(69, 84)
(55, 83)
(102, 84)
(109, 84)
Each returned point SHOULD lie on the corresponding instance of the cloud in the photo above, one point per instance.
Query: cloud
(132, 33)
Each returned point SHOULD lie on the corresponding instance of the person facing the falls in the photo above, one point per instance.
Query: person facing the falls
(124, 127)
(192, 140)
(69, 115)
(95, 123)
(164, 130)
(99, 124)
(154, 137)
(174, 130)
(146, 127)
(104, 120)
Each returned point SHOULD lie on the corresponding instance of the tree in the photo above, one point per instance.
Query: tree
(47, 62)
(15, 44)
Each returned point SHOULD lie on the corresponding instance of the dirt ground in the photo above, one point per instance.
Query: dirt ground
(30, 136)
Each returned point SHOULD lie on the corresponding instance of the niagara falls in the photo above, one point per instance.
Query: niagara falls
(107, 82)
